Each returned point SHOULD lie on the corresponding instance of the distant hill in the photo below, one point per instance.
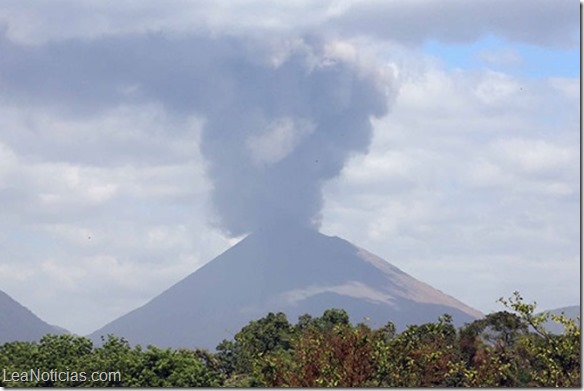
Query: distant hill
(571, 312)
(18, 323)
(288, 269)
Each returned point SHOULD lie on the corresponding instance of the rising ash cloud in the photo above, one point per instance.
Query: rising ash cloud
(280, 116)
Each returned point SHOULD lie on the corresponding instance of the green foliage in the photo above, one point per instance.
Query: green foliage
(554, 359)
(172, 368)
(507, 348)
(330, 319)
(120, 365)
(239, 358)
(421, 356)
(60, 353)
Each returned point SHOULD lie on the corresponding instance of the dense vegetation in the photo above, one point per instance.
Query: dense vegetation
(507, 348)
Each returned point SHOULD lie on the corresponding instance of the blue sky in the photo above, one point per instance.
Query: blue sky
(514, 58)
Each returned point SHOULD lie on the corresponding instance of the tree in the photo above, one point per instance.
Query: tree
(421, 356)
(336, 355)
(506, 348)
(554, 360)
(238, 358)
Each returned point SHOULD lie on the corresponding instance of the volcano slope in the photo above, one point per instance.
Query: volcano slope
(18, 323)
(293, 270)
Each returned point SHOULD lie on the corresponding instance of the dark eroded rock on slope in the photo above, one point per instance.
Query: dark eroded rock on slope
(295, 271)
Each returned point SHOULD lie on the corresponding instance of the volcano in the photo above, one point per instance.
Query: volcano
(293, 270)
(18, 323)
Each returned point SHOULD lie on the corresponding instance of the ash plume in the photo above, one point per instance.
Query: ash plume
(287, 129)
(280, 117)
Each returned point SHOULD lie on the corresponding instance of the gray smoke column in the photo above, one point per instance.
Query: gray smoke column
(281, 116)
(288, 125)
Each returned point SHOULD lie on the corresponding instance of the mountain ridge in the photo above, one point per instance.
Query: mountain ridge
(18, 323)
(289, 269)
(571, 312)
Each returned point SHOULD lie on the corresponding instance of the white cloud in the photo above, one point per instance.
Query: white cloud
(101, 213)
(471, 181)
(536, 157)
(468, 184)
(101, 270)
(278, 140)
(497, 88)
(501, 57)
(121, 135)
(540, 22)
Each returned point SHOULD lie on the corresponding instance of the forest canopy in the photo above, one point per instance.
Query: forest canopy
(507, 348)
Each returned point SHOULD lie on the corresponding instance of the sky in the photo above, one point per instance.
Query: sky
(139, 140)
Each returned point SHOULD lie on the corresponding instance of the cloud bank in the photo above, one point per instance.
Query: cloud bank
(279, 119)
(108, 114)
